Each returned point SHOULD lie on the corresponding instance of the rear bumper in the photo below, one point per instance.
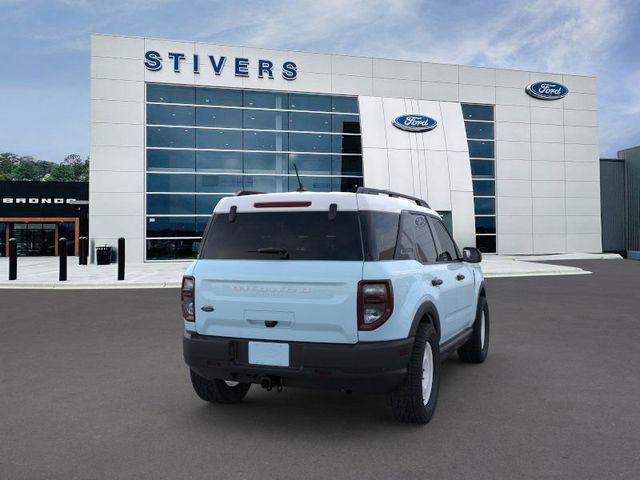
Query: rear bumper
(373, 367)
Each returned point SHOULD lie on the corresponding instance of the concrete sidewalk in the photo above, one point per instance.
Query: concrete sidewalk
(42, 272)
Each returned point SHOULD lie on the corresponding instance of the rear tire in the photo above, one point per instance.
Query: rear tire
(415, 400)
(475, 350)
(218, 391)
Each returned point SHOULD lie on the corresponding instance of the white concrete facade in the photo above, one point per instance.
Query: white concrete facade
(547, 162)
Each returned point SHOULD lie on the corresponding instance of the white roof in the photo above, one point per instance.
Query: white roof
(269, 202)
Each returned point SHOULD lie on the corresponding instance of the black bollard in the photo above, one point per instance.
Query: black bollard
(13, 259)
(85, 260)
(80, 250)
(121, 258)
(62, 253)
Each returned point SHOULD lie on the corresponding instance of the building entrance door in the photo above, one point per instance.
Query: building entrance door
(39, 236)
(35, 239)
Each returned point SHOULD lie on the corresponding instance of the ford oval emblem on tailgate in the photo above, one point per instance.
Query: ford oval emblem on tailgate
(207, 308)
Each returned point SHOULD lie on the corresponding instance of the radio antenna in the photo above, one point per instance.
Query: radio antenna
(300, 186)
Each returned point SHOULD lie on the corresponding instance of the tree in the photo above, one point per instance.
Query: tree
(79, 167)
(16, 167)
(7, 164)
(61, 173)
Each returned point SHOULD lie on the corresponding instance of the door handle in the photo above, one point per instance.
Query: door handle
(436, 282)
(460, 277)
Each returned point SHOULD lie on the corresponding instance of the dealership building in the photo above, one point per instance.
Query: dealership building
(508, 157)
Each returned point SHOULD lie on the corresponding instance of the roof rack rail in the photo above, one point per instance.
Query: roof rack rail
(375, 191)
(242, 193)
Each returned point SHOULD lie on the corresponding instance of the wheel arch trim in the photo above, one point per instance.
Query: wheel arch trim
(427, 308)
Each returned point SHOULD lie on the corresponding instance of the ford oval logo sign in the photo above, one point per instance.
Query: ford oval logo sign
(415, 123)
(547, 90)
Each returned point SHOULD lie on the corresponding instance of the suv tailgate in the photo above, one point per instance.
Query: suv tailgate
(288, 300)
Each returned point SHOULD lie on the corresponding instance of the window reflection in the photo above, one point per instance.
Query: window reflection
(219, 117)
(482, 168)
(485, 224)
(479, 129)
(265, 141)
(211, 161)
(310, 142)
(218, 96)
(218, 183)
(346, 165)
(172, 249)
(170, 204)
(481, 149)
(171, 226)
(484, 188)
(265, 183)
(310, 122)
(485, 206)
(170, 93)
(480, 132)
(216, 141)
(206, 203)
(222, 139)
(310, 164)
(346, 144)
(261, 162)
(345, 124)
(171, 160)
(344, 104)
(316, 103)
(346, 184)
(168, 182)
(170, 115)
(265, 120)
(477, 112)
(313, 184)
(258, 99)
(170, 137)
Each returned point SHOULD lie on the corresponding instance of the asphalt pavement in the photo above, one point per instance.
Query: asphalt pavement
(93, 386)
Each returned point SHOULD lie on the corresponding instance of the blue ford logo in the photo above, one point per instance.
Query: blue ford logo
(547, 90)
(415, 123)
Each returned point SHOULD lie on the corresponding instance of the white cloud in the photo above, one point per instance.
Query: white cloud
(573, 36)
(330, 25)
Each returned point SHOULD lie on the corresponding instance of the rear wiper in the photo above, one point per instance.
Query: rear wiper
(284, 254)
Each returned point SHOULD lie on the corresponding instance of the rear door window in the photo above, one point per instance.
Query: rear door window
(415, 241)
(405, 249)
(446, 247)
(425, 246)
(283, 235)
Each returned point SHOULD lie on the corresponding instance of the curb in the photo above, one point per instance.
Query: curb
(134, 286)
(548, 273)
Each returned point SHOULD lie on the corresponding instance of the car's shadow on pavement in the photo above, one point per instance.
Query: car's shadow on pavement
(309, 410)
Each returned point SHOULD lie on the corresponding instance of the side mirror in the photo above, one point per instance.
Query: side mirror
(444, 257)
(471, 255)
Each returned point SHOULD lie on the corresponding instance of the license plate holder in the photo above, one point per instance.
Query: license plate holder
(269, 353)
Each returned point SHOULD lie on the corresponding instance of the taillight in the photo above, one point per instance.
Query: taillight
(187, 298)
(375, 303)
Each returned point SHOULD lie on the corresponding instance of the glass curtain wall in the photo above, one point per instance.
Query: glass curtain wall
(480, 127)
(204, 143)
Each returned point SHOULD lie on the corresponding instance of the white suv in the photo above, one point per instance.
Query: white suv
(358, 291)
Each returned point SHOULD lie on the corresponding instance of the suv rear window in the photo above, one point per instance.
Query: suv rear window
(283, 235)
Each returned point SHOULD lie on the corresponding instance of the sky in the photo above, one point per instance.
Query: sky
(44, 77)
